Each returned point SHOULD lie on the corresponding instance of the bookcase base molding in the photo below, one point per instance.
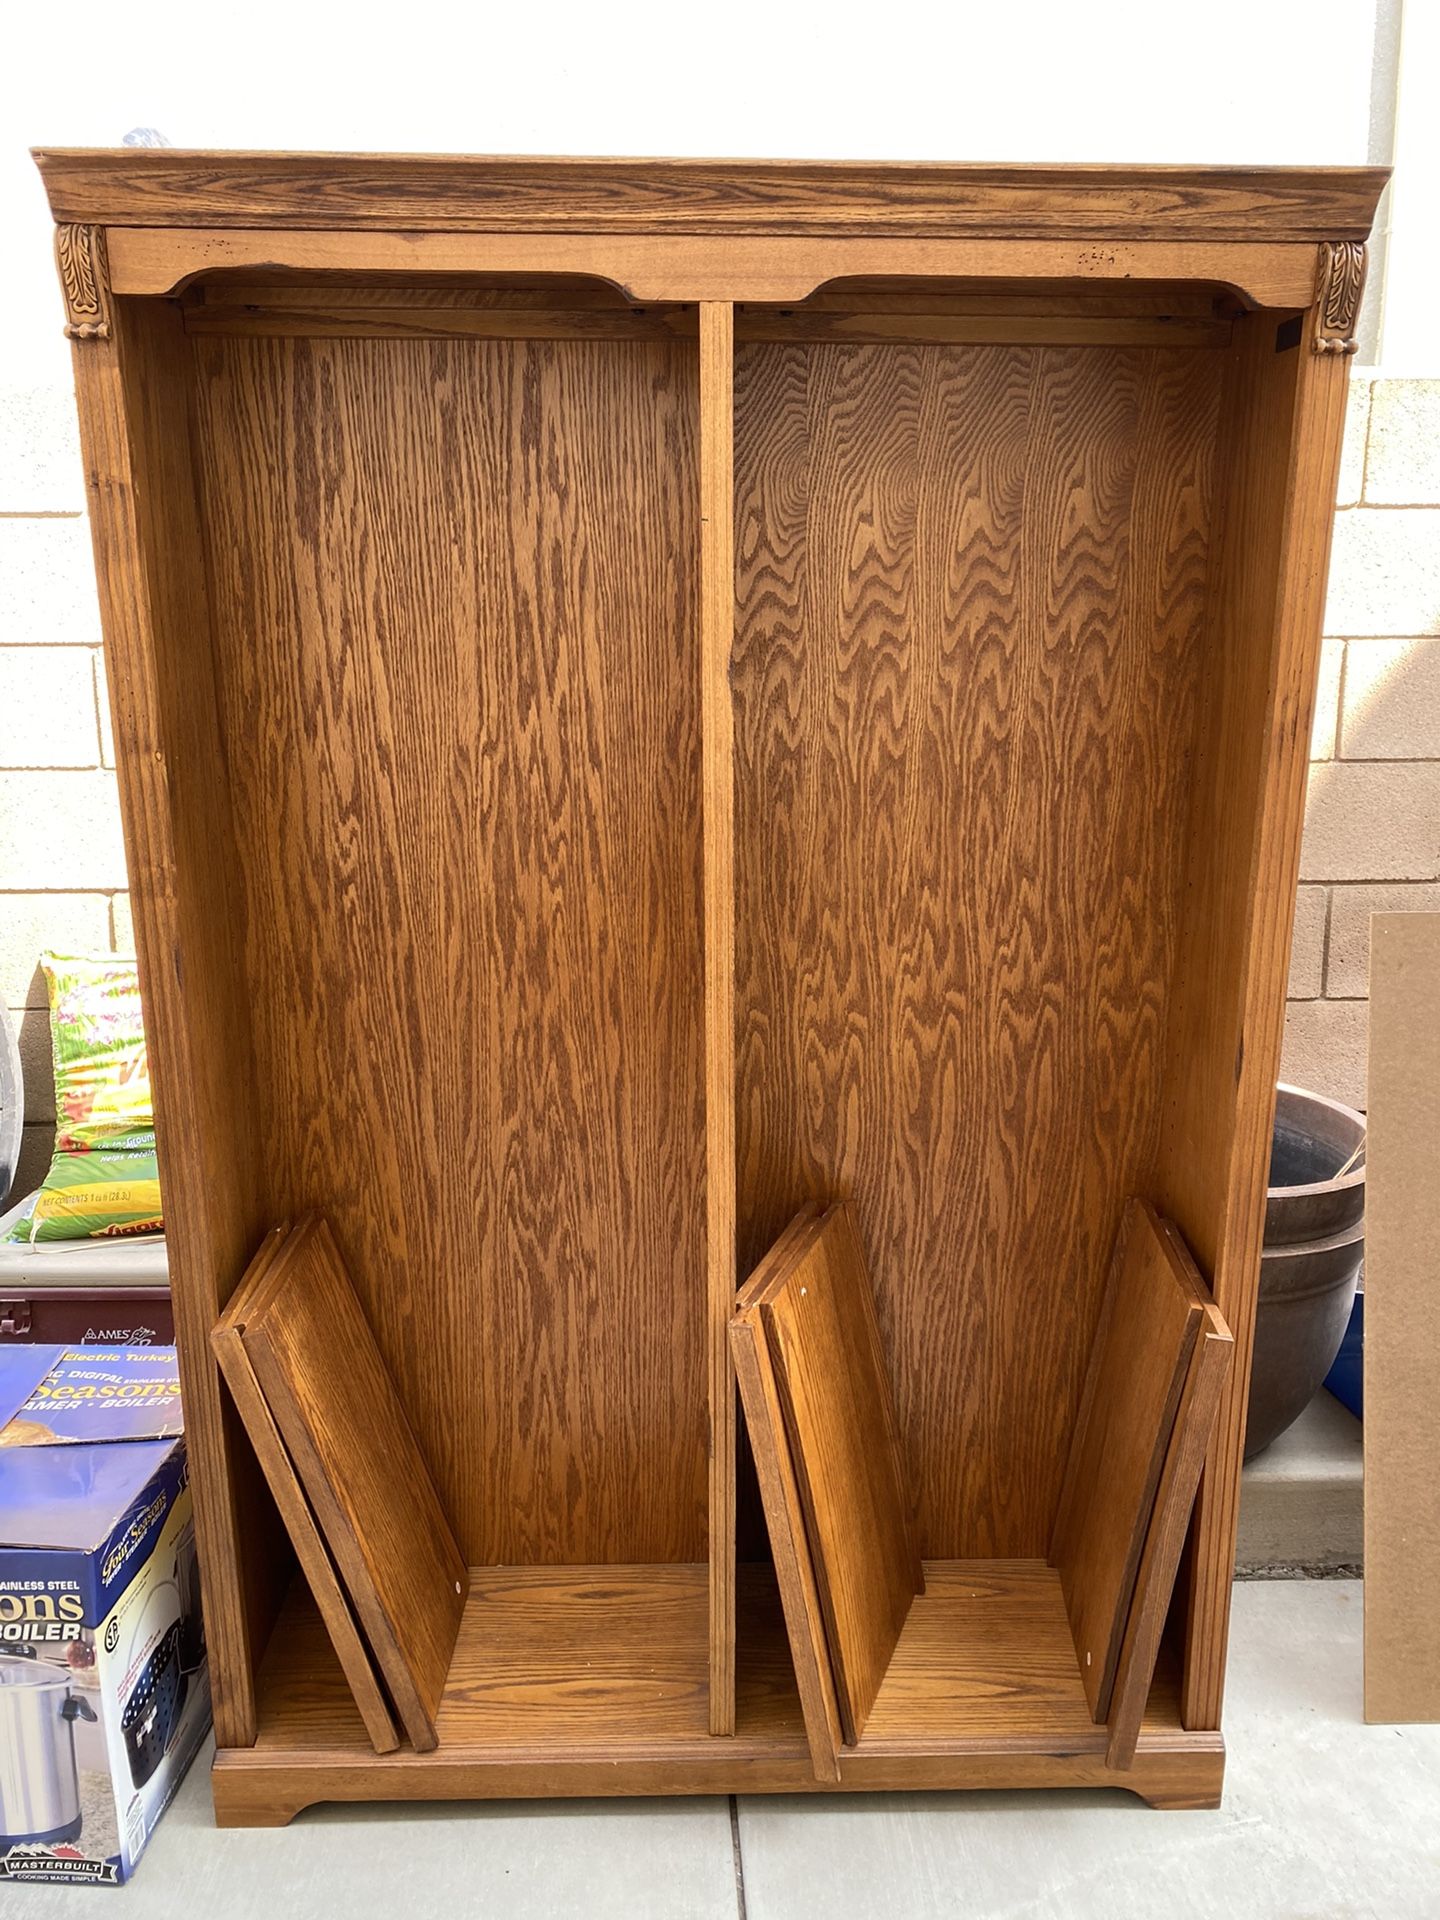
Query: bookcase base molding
(652, 699)
(255, 1787)
(608, 1697)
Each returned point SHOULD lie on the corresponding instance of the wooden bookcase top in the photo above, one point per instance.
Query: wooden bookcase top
(170, 187)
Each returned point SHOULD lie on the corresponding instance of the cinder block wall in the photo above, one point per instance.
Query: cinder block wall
(1372, 822)
(62, 863)
(1372, 837)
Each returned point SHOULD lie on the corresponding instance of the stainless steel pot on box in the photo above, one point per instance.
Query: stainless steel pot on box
(39, 1786)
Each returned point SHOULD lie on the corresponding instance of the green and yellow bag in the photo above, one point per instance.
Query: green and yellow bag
(103, 1179)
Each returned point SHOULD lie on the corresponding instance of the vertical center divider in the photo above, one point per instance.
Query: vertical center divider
(717, 637)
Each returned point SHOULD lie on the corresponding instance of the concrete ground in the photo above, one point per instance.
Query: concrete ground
(1302, 1501)
(1323, 1817)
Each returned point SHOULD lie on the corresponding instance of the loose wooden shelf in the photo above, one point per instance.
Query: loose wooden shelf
(647, 695)
(582, 1681)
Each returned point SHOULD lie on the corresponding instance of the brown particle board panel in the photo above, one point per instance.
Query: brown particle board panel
(1402, 1335)
(833, 1391)
(1139, 1362)
(455, 592)
(971, 589)
(295, 1510)
(316, 1364)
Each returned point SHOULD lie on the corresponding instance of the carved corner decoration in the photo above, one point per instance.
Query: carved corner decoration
(84, 281)
(1339, 284)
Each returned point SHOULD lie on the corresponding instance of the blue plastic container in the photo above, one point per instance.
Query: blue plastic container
(1346, 1379)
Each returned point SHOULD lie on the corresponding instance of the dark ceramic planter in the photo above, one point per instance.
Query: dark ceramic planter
(1313, 1138)
(1314, 1246)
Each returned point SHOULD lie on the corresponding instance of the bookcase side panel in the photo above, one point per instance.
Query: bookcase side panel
(1279, 462)
(133, 387)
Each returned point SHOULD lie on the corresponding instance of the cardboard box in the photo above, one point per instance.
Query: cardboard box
(104, 1685)
(1402, 1325)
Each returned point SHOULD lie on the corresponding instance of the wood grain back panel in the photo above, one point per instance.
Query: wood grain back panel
(1210, 1364)
(970, 601)
(344, 1427)
(1139, 1362)
(295, 1510)
(455, 592)
(854, 1489)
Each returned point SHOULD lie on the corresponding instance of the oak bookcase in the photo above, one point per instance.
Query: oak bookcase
(647, 692)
